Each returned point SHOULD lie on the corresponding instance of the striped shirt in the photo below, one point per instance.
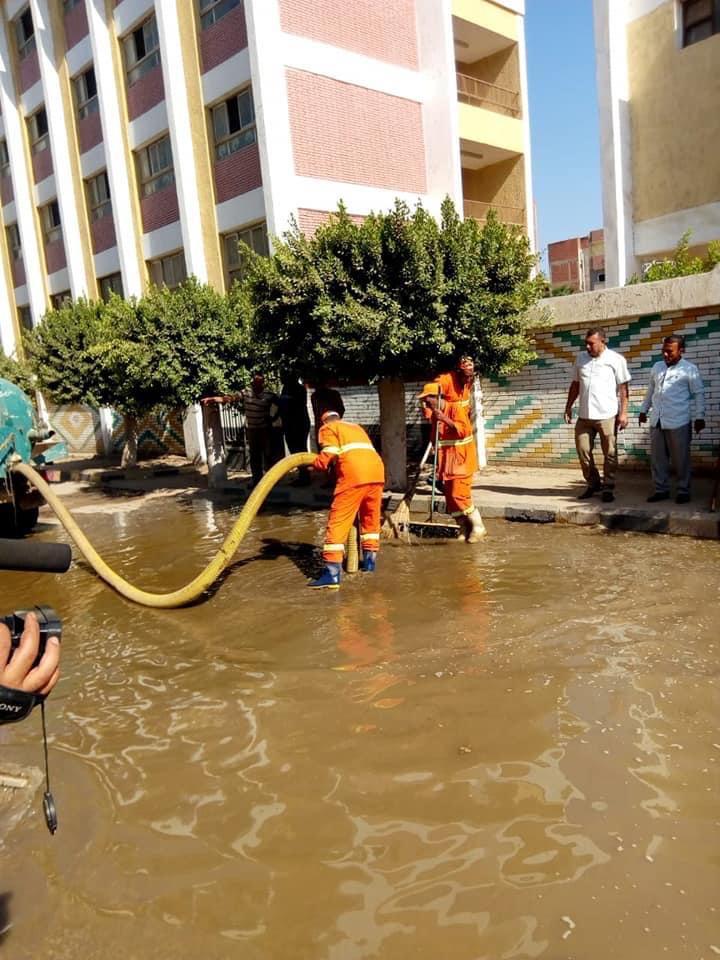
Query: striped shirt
(259, 409)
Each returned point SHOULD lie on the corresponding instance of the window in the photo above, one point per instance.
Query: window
(169, 271)
(701, 19)
(98, 196)
(4, 159)
(25, 34)
(255, 237)
(50, 219)
(86, 93)
(142, 51)
(155, 167)
(111, 284)
(234, 123)
(13, 241)
(38, 131)
(25, 317)
(60, 300)
(213, 10)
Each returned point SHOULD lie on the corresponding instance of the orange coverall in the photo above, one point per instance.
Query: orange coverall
(457, 458)
(453, 390)
(360, 480)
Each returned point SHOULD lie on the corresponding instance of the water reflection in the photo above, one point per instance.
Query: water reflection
(469, 754)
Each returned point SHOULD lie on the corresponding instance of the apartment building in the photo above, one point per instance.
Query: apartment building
(578, 262)
(658, 80)
(141, 139)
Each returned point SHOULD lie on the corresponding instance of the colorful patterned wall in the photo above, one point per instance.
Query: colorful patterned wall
(79, 426)
(524, 414)
(158, 434)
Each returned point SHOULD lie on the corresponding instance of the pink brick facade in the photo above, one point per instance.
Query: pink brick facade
(310, 220)
(42, 165)
(89, 130)
(6, 189)
(29, 71)
(76, 25)
(349, 133)
(103, 234)
(17, 268)
(375, 28)
(238, 173)
(224, 38)
(146, 93)
(159, 209)
(55, 256)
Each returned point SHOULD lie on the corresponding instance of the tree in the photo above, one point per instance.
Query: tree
(681, 263)
(393, 298)
(18, 372)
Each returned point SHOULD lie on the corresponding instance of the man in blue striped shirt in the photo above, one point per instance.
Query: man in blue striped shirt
(675, 399)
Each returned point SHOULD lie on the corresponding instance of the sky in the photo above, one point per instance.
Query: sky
(564, 131)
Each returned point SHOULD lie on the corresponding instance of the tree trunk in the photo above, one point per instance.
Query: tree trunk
(393, 435)
(130, 450)
(216, 459)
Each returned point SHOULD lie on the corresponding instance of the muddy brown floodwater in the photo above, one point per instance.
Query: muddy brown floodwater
(494, 752)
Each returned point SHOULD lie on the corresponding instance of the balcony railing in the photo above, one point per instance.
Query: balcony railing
(478, 210)
(479, 93)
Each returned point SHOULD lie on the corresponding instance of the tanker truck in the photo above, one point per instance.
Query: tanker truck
(21, 438)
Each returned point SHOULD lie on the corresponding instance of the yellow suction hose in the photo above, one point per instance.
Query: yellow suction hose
(191, 591)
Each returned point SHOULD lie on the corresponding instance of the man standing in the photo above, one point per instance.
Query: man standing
(600, 380)
(457, 459)
(456, 386)
(358, 490)
(674, 399)
(261, 409)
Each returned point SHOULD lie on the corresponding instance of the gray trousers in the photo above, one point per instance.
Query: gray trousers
(668, 446)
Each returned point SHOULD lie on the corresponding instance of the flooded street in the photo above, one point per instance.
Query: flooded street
(495, 752)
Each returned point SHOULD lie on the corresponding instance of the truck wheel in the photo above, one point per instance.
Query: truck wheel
(15, 522)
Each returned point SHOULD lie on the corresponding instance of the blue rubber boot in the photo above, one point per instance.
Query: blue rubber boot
(368, 561)
(330, 577)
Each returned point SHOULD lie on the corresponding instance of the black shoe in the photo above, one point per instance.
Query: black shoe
(588, 492)
(607, 496)
(682, 498)
(658, 496)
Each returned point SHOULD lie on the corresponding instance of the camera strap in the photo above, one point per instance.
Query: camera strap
(16, 704)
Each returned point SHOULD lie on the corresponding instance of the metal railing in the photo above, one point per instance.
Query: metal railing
(479, 93)
(478, 210)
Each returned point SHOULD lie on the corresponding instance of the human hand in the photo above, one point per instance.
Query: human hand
(642, 418)
(17, 671)
(568, 415)
(208, 400)
(622, 421)
(699, 425)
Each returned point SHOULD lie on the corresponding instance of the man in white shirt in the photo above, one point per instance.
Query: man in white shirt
(600, 380)
(674, 398)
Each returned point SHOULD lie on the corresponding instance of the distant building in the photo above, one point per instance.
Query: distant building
(578, 263)
(141, 139)
(658, 79)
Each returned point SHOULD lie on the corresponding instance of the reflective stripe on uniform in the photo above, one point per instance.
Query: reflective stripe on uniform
(456, 443)
(334, 547)
(355, 446)
(330, 450)
(369, 536)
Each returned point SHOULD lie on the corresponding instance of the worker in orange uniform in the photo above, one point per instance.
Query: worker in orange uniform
(358, 490)
(457, 385)
(456, 458)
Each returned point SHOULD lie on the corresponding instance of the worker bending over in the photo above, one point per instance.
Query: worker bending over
(456, 458)
(358, 490)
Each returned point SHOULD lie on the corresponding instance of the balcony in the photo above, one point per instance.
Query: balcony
(479, 93)
(478, 210)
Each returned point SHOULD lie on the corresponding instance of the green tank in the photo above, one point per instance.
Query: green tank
(21, 437)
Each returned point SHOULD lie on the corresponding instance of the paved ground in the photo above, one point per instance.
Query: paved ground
(536, 495)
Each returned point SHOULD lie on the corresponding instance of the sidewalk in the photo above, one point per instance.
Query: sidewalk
(529, 494)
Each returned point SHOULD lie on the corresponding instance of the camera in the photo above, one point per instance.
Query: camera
(49, 623)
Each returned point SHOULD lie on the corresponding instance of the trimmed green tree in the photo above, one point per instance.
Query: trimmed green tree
(394, 298)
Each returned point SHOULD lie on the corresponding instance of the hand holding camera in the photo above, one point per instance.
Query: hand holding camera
(29, 658)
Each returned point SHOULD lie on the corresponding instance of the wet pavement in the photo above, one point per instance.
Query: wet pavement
(502, 750)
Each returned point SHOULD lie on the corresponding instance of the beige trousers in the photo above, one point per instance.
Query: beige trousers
(585, 433)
